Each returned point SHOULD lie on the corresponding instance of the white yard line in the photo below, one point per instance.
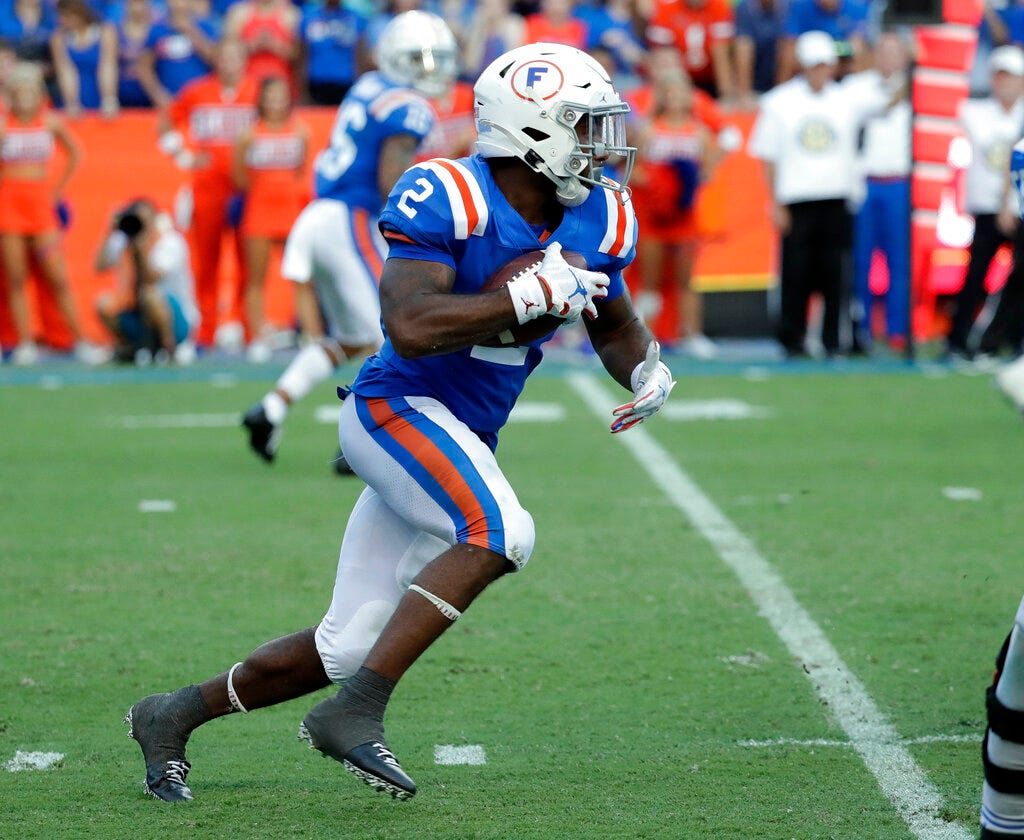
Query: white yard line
(904, 783)
(177, 421)
(832, 742)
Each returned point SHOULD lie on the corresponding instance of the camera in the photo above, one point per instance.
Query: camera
(129, 221)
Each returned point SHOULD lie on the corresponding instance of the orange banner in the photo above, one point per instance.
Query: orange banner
(120, 161)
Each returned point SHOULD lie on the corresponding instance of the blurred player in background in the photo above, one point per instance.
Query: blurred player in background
(334, 253)
(438, 521)
(29, 199)
(156, 310)
(200, 130)
(270, 168)
(677, 153)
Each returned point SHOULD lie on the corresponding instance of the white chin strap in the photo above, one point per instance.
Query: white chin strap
(443, 607)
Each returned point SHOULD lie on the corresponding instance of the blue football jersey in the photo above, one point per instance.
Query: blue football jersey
(452, 212)
(373, 110)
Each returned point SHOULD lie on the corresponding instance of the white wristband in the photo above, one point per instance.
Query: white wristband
(171, 142)
(527, 295)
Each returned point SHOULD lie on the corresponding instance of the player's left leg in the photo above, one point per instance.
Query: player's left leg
(441, 478)
(334, 259)
(279, 670)
(1002, 797)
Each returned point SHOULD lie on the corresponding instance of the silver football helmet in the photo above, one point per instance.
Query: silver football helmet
(418, 49)
(554, 107)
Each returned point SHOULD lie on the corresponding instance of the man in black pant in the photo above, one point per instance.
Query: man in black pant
(806, 135)
(815, 258)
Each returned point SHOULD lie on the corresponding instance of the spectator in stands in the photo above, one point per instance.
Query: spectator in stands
(806, 134)
(883, 221)
(703, 32)
(28, 220)
(847, 21)
(132, 34)
(454, 132)
(1005, 23)
(178, 50)
(612, 25)
(154, 311)
(29, 24)
(84, 59)
(270, 167)
(269, 31)
(554, 23)
(200, 129)
(991, 126)
(677, 154)
(493, 30)
(759, 31)
(333, 50)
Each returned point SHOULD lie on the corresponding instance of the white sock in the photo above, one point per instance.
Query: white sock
(1010, 688)
(1002, 812)
(275, 408)
(308, 369)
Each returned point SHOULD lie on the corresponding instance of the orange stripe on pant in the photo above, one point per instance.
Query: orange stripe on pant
(364, 241)
(439, 465)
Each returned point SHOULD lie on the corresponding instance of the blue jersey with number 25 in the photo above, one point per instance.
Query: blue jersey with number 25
(372, 111)
(452, 212)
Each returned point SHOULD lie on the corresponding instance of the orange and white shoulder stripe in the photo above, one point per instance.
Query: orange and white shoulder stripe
(469, 208)
(390, 101)
(621, 225)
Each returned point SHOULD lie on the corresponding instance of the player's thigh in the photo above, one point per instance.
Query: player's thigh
(435, 473)
(381, 553)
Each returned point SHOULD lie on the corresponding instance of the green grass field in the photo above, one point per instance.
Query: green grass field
(615, 685)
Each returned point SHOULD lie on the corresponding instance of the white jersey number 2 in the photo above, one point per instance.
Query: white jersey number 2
(426, 190)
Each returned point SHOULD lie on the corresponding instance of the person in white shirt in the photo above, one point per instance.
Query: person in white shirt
(161, 311)
(883, 221)
(806, 134)
(992, 126)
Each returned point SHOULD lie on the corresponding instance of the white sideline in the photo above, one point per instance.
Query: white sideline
(904, 783)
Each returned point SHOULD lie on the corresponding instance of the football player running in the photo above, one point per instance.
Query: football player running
(334, 253)
(438, 522)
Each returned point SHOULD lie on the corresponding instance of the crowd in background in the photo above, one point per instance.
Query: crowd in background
(684, 65)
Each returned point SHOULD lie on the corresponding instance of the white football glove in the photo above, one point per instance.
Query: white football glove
(652, 383)
(571, 291)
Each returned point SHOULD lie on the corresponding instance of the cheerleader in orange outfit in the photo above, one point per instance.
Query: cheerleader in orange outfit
(28, 197)
(200, 130)
(270, 166)
(678, 153)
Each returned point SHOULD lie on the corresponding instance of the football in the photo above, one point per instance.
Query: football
(540, 327)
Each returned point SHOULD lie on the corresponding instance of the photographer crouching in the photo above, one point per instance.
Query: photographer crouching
(155, 313)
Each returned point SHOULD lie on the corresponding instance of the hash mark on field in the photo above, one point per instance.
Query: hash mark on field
(32, 761)
(832, 742)
(962, 494)
(724, 409)
(157, 506)
(915, 798)
(466, 754)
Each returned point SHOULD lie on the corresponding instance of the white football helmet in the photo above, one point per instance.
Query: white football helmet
(418, 49)
(553, 107)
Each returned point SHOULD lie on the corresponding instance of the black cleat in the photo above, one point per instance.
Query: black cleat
(341, 465)
(163, 750)
(264, 436)
(372, 762)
